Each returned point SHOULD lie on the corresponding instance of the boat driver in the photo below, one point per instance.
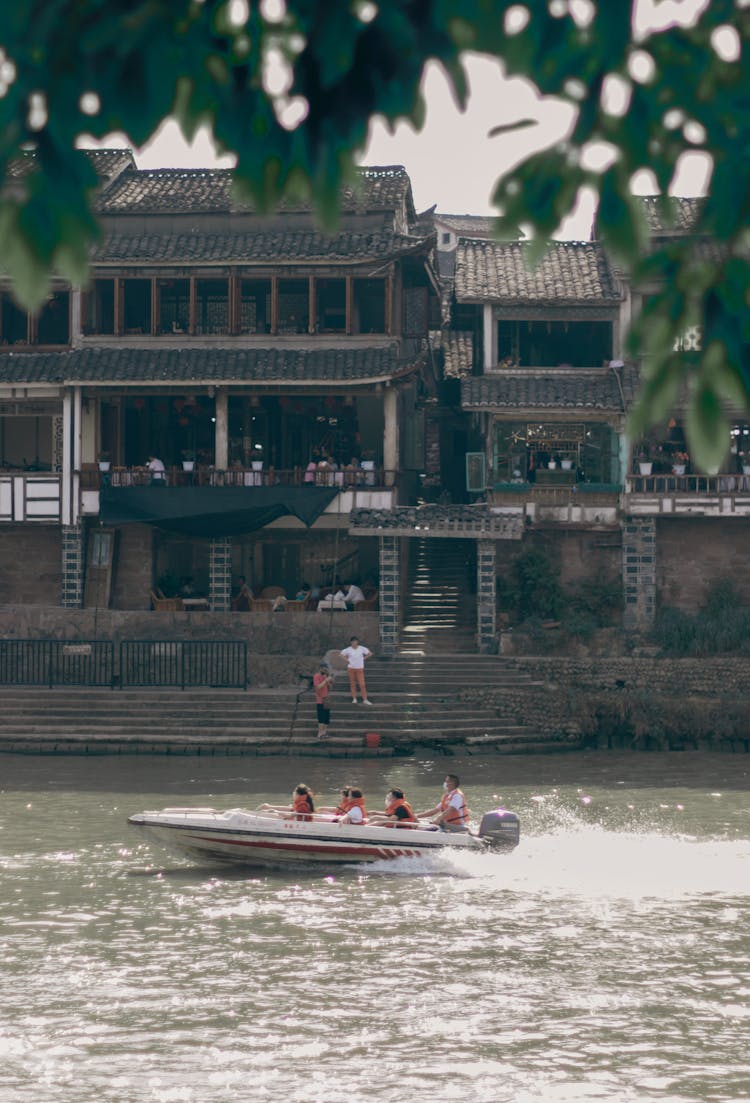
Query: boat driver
(451, 814)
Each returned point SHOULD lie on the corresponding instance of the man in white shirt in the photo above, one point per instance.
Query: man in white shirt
(451, 814)
(355, 655)
(353, 595)
(158, 471)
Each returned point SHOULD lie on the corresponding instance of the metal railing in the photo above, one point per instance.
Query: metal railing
(56, 663)
(181, 663)
(218, 663)
(205, 475)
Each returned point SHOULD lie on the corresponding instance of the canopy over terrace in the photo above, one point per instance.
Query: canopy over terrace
(212, 511)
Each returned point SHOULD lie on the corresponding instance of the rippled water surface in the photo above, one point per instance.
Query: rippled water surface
(608, 958)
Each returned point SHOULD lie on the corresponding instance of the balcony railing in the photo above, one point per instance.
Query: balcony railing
(714, 485)
(376, 478)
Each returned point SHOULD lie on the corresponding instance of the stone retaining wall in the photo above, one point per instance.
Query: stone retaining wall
(644, 702)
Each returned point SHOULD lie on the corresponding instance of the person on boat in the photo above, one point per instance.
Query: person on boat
(451, 814)
(352, 807)
(302, 806)
(302, 802)
(398, 811)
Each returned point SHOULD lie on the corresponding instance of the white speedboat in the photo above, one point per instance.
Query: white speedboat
(275, 839)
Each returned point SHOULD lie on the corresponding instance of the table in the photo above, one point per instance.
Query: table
(195, 604)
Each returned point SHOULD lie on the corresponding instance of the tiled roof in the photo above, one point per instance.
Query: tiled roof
(467, 225)
(457, 348)
(107, 162)
(274, 245)
(683, 213)
(562, 389)
(152, 191)
(170, 365)
(571, 272)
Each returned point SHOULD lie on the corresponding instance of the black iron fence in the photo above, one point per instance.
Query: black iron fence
(57, 663)
(181, 663)
(219, 663)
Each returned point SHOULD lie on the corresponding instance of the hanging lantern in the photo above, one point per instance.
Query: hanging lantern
(139, 403)
(184, 421)
(178, 404)
(284, 402)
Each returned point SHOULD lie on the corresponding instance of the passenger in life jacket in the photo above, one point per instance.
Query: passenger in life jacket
(302, 802)
(302, 806)
(352, 807)
(398, 811)
(451, 814)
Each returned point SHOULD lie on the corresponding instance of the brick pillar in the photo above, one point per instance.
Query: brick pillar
(486, 617)
(220, 574)
(72, 566)
(639, 573)
(389, 592)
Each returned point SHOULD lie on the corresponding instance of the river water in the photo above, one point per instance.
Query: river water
(607, 958)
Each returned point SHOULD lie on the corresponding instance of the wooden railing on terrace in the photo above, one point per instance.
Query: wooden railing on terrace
(349, 479)
(713, 485)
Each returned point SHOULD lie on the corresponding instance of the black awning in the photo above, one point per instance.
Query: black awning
(212, 510)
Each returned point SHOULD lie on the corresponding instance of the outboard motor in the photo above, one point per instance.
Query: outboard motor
(500, 828)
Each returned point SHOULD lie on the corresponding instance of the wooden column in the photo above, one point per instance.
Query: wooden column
(312, 305)
(119, 296)
(192, 308)
(154, 307)
(274, 304)
(233, 319)
(221, 438)
(389, 304)
(349, 306)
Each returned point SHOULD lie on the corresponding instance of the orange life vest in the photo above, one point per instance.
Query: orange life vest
(354, 802)
(303, 806)
(458, 817)
(401, 803)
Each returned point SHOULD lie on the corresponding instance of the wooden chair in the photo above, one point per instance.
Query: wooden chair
(370, 602)
(294, 606)
(272, 591)
(261, 604)
(163, 604)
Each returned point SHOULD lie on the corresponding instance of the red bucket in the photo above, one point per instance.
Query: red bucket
(372, 739)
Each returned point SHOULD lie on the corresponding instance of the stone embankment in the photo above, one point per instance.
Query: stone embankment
(418, 703)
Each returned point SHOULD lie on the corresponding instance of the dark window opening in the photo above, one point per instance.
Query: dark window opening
(211, 306)
(174, 306)
(369, 306)
(14, 323)
(294, 306)
(331, 306)
(53, 320)
(255, 306)
(532, 344)
(99, 307)
(136, 310)
(446, 239)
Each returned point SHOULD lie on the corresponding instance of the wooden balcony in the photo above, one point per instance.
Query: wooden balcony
(360, 488)
(574, 504)
(723, 495)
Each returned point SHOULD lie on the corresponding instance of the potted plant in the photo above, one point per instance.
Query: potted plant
(679, 462)
(645, 463)
(104, 461)
(188, 460)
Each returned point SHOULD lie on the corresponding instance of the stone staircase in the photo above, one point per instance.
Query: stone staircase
(440, 613)
(417, 700)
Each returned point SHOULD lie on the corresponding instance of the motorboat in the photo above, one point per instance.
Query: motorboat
(273, 838)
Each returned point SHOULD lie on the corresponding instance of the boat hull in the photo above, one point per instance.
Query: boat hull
(250, 839)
